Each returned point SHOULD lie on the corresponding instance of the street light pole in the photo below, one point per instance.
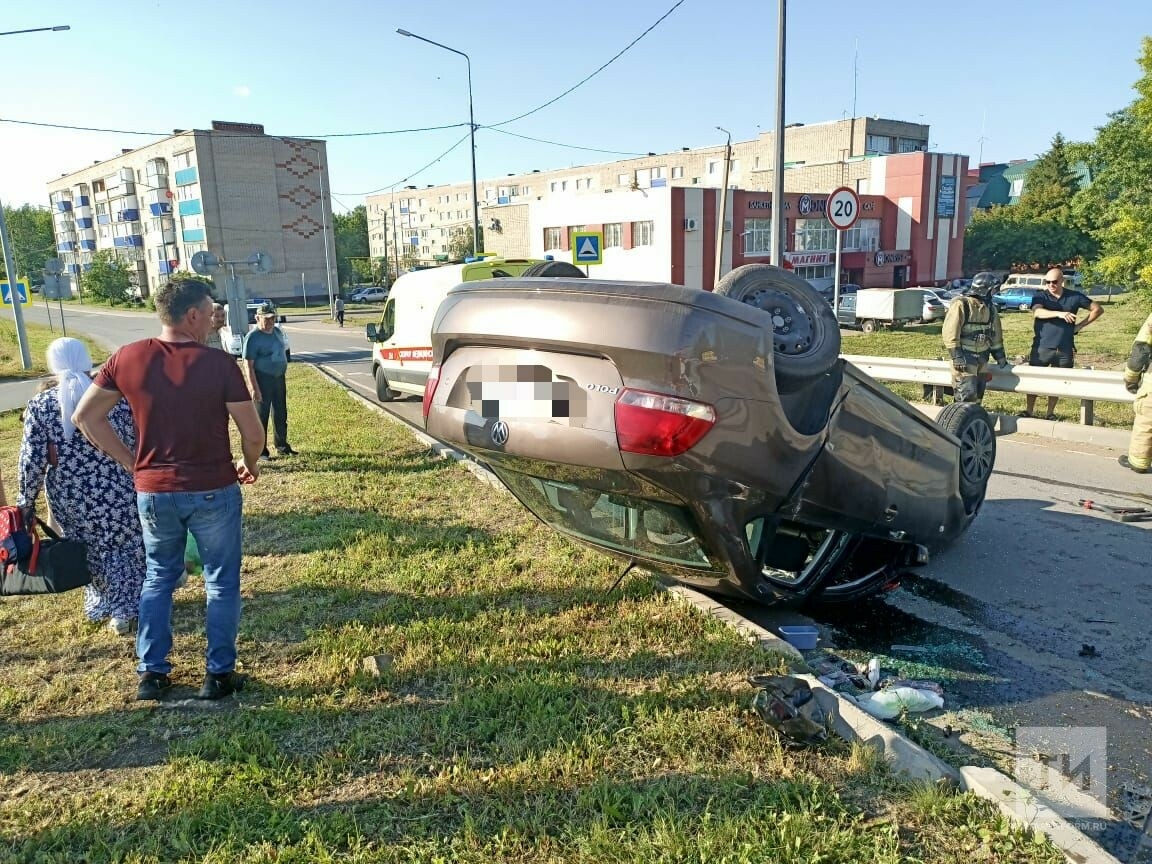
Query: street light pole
(723, 211)
(6, 245)
(472, 135)
(778, 220)
(36, 30)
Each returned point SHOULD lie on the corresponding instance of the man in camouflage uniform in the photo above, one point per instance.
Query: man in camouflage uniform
(972, 331)
(1139, 381)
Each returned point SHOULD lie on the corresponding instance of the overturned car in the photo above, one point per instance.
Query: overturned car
(716, 437)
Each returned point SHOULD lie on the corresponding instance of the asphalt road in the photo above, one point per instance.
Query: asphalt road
(1002, 617)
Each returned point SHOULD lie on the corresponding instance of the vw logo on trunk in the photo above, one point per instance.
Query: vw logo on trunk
(499, 433)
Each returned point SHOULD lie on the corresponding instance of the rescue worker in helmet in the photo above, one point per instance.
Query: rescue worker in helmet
(971, 333)
(1138, 380)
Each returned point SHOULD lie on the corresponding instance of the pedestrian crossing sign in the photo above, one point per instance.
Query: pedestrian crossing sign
(587, 247)
(21, 292)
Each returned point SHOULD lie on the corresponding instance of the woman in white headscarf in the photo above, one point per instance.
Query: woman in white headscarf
(91, 497)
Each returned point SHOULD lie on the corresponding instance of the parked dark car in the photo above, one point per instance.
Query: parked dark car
(717, 437)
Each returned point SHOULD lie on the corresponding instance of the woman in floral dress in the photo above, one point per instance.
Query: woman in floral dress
(91, 497)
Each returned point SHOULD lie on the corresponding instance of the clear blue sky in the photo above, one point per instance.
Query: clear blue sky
(313, 68)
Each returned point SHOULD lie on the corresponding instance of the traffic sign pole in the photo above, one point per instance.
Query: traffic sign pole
(842, 209)
(17, 309)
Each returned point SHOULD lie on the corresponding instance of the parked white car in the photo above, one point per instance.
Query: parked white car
(373, 294)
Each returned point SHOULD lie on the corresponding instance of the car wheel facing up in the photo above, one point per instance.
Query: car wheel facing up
(805, 334)
(970, 423)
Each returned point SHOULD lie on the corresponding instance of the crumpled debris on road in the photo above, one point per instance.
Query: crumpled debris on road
(788, 705)
(890, 702)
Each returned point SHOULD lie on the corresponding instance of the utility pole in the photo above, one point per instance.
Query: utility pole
(14, 290)
(723, 210)
(6, 244)
(778, 220)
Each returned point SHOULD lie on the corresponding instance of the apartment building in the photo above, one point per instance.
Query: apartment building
(417, 225)
(232, 190)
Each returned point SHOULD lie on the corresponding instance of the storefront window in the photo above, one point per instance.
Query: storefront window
(757, 236)
(814, 235)
(864, 235)
(810, 273)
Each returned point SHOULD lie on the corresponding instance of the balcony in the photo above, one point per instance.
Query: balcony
(128, 216)
(186, 176)
(64, 206)
(190, 208)
(166, 267)
(193, 235)
(83, 221)
(132, 241)
(103, 219)
(88, 245)
(66, 246)
(82, 201)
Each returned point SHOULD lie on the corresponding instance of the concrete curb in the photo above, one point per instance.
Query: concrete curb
(754, 633)
(849, 721)
(1009, 424)
(1026, 808)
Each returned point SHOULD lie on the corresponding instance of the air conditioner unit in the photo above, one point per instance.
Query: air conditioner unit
(690, 224)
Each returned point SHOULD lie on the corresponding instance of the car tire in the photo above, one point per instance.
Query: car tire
(383, 392)
(555, 270)
(868, 326)
(805, 347)
(969, 422)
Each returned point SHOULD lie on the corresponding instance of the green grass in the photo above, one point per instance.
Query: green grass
(39, 337)
(1103, 345)
(525, 716)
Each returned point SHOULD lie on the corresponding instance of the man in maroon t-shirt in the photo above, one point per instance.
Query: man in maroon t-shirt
(182, 393)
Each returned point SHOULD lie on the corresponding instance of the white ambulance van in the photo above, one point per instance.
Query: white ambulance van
(402, 341)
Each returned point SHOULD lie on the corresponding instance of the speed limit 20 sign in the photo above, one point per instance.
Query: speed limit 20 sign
(843, 208)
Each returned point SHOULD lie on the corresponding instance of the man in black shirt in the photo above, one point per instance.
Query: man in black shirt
(1055, 327)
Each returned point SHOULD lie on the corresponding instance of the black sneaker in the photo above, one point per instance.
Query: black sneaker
(219, 686)
(265, 456)
(152, 686)
(1123, 460)
(286, 451)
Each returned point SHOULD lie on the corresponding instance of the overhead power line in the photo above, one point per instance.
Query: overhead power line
(412, 175)
(589, 77)
(226, 134)
(559, 144)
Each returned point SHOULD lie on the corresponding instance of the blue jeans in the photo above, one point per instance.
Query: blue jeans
(213, 518)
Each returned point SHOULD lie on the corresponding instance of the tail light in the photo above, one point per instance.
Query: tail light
(656, 424)
(430, 390)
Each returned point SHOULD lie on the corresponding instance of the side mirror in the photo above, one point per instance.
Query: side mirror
(370, 332)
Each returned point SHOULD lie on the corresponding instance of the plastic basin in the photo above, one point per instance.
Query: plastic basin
(800, 636)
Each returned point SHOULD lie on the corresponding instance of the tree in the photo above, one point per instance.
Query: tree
(107, 278)
(1118, 205)
(460, 246)
(1004, 238)
(351, 232)
(1051, 185)
(33, 243)
(409, 258)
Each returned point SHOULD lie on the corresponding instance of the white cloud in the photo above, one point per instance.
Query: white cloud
(242, 90)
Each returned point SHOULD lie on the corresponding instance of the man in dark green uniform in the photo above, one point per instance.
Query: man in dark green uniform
(267, 362)
(971, 332)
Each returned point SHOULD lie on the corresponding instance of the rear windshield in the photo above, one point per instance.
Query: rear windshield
(634, 526)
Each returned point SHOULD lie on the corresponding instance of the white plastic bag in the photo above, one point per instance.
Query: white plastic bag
(887, 704)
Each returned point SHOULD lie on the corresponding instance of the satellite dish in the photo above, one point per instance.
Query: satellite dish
(53, 266)
(205, 263)
(261, 262)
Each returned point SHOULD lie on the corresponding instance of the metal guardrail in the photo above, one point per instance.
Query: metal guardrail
(1088, 385)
